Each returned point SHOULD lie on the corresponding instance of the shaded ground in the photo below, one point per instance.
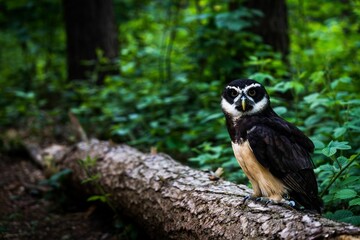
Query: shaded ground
(32, 210)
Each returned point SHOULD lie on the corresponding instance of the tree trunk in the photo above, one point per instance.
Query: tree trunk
(273, 26)
(90, 26)
(172, 201)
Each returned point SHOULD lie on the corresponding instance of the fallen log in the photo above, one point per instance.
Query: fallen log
(172, 201)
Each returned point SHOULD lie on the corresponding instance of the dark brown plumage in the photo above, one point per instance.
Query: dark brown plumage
(280, 152)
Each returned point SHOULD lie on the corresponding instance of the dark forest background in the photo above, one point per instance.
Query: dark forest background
(150, 74)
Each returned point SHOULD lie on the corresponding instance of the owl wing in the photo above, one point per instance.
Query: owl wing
(286, 154)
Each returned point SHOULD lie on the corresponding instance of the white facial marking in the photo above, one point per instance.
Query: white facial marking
(235, 114)
(245, 89)
(232, 87)
(230, 109)
(251, 86)
(258, 107)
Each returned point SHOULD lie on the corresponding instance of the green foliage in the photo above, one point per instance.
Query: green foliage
(57, 179)
(87, 165)
(32, 61)
(175, 59)
(57, 183)
(344, 216)
(102, 198)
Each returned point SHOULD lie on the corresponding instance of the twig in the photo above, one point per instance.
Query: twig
(337, 175)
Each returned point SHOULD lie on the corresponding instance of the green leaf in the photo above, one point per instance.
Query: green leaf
(342, 160)
(101, 198)
(280, 110)
(355, 220)
(336, 82)
(341, 145)
(25, 95)
(353, 102)
(355, 202)
(121, 132)
(338, 132)
(317, 77)
(329, 151)
(311, 98)
(326, 167)
(340, 214)
(345, 194)
(318, 144)
(320, 102)
(310, 121)
(192, 18)
(352, 180)
(333, 146)
(354, 156)
(59, 176)
(92, 178)
(232, 20)
(354, 127)
(297, 86)
(261, 77)
(212, 117)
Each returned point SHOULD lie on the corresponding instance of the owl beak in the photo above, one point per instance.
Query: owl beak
(243, 103)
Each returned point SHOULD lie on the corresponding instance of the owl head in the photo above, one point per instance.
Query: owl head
(244, 97)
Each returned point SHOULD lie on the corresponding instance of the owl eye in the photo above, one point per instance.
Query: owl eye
(233, 93)
(252, 92)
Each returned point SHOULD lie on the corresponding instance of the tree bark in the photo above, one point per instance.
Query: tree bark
(90, 25)
(172, 201)
(273, 26)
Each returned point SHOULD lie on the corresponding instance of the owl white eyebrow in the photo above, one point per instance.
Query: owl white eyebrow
(251, 86)
(235, 88)
(245, 89)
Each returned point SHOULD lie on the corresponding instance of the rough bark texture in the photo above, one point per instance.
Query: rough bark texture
(172, 201)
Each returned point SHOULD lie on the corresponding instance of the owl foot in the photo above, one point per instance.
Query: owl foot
(264, 200)
(285, 203)
(288, 203)
(248, 197)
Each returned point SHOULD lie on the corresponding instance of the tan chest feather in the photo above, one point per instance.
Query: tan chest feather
(263, 182)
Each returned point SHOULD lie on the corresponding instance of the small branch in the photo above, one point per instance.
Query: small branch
(77, 127)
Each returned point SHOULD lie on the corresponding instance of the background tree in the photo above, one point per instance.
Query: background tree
(272, 26)
(234, 31)
(92, 39)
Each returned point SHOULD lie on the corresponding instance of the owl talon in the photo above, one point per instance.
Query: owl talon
(290, 203)
(285, 203)
(247, 198)
(264, 200)
(268, 202)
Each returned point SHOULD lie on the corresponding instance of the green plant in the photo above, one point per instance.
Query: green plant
(87, 165)
(57, 183)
